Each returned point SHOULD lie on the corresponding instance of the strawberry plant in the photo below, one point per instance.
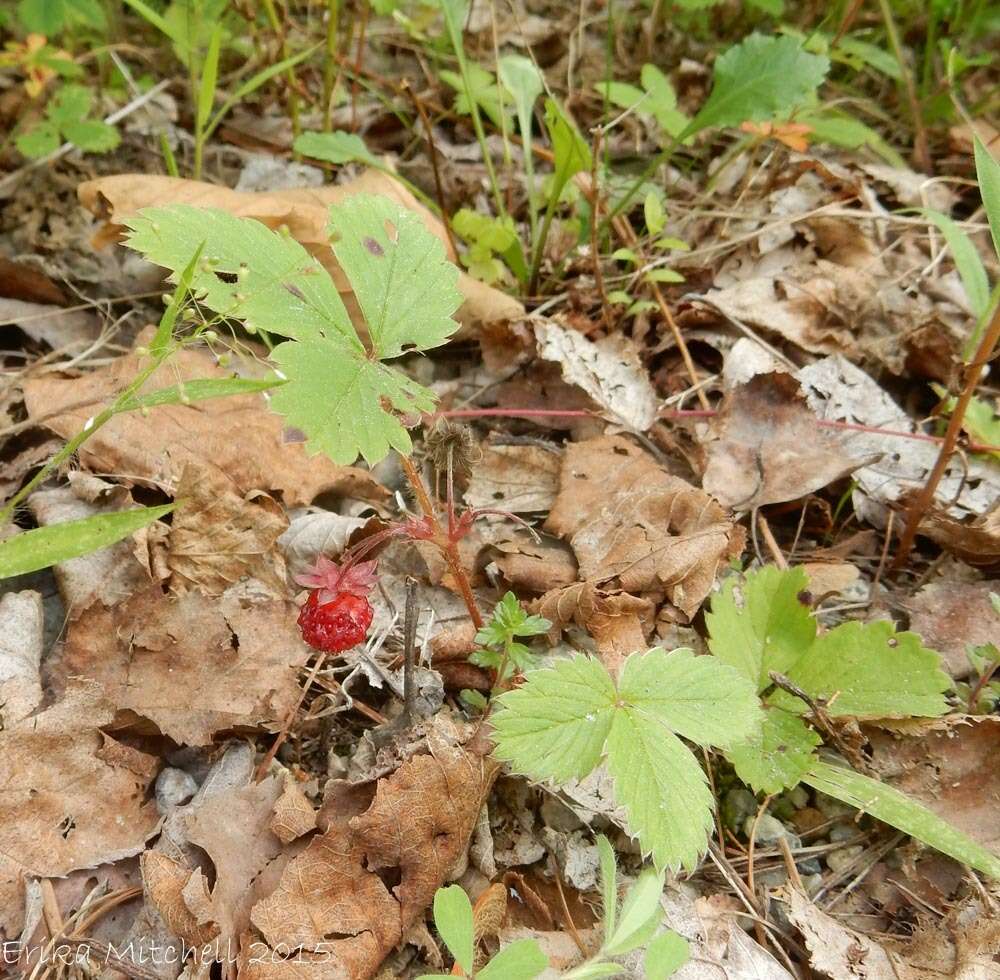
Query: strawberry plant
(67, 118)
(568, 718)
(339, 390)
(501, 650)
(337, 614)
(763, 628)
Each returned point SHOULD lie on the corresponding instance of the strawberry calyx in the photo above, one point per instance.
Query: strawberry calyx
(331, 580)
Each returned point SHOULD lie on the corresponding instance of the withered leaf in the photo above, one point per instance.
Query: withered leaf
(192, 665)
(629, 519)
(768, 446)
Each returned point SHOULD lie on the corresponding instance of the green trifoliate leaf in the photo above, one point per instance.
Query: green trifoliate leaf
(521, 960)
(248, 272)
(776, 758)
(662, 788)
(91, 135)
(897, 809)
(697, 697)
(760, 78)
(340, 400)
(870, 671)
(761, 625)
(70, 104)
(453, 919)
(39, 141)
(662, 101)
(401, 277)
(555, 725)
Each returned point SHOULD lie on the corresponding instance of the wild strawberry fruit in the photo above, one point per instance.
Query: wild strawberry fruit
(337, 625)
(337, 613)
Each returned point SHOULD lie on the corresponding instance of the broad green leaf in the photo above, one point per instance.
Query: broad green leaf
(837, 127)
(555, 725)
(761, 625)
(759, 78)
(201, 390)
(483, 88)
(662, 788)
(163, 25)
(45, 546)
(621, 94)
(665, 955)
(46, 17)
(640, 914)
(899, 811)
(337, 147)
(967, 262)
(247, 271)
(521, 960)
(654, 214)
(988, 175)
(402, 279)
(663, 101)
(38, 142)
(864, 53)
(70, 104)
(700, 698)
(609, 884)
(777, 757)
(91, 135)
(663, 275)
(339, 401)
(868, 670)
(453, 919)
(521, 77)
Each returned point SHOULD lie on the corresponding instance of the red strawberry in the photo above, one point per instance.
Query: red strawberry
(337, 625)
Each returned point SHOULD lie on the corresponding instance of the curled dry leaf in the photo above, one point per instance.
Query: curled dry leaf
(415, 828)
(768, 446)
(219, 536)
(627, 518)
(530, 565)
(72, 797)
(975, 540)
(951, 616)
(108, 575)
(294, 815)
(608, 370)
(518, 479)
(838, 391)
(951, 769)
(310, 535)
(964, 944)
(192, 665)
(303, 210)
(155, 448)
(21, 644)
(618, 622)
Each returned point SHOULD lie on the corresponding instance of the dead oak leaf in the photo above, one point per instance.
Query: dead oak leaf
(237, 435)
(518, 479)
(415, 827)
(618, 622)
(768, 446)
(192, 665)
(70, 799)
(627, 518)
(219, 536)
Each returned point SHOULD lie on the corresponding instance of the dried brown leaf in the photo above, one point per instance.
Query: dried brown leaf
(518, 479)
(628, 519)
(237, 435)
(768, 446)
(192, 665)
(21, 644)
(69, 800)
(219, 536)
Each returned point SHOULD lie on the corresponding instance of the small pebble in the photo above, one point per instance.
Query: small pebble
(769, 831)
(812, 884)
(838, 860)
(737, 805)
(809, 866)
(174, 788)
(843, 831)
(831, 808)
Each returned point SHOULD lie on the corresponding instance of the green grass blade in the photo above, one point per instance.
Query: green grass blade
(898, 810)
(988, 174)
(199, 391)
(45, 546)
(209, 76)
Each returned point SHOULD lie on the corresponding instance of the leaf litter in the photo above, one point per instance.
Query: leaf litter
(293, 815)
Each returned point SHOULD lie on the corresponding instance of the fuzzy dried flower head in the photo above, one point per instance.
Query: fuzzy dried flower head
(451, 443)
(330, 579)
